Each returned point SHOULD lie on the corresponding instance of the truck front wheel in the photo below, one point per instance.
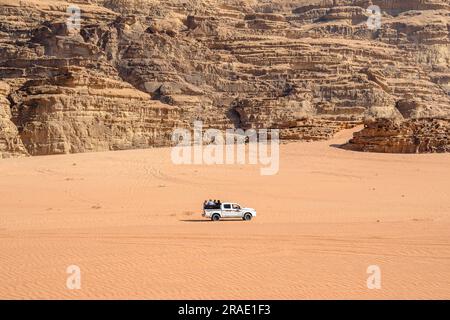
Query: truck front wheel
(215, 217)
(248, 216)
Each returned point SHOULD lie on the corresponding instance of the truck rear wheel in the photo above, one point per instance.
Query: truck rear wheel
(215, 217)
(247, 216)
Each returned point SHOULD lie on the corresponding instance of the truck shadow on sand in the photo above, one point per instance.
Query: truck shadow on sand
(208, 220)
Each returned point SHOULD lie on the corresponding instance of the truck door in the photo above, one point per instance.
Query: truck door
(227, 210)
(237, 211)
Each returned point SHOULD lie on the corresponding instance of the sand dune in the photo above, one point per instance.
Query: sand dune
(132, 222)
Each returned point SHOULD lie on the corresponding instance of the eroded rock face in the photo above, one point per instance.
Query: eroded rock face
(137, 69)
(10, 142)
(69, 98)
(408, 136)
(79, 112)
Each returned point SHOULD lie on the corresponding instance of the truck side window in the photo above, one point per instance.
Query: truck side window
(235, 206)
(227, 206)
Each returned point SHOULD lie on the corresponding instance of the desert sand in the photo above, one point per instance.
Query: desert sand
(131, 220)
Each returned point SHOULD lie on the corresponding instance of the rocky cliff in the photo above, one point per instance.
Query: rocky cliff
(429, 135)
(136, 69)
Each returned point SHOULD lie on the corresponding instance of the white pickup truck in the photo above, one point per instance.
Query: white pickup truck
(228, 210)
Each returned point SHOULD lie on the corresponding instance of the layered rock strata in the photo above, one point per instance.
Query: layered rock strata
(407, 136)
(134, 70)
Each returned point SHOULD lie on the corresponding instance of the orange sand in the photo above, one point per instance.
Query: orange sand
(132, 221)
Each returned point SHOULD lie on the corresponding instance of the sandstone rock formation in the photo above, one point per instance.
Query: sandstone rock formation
(137, 69)
(10, 142)
(80, 112)
(408, 136)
